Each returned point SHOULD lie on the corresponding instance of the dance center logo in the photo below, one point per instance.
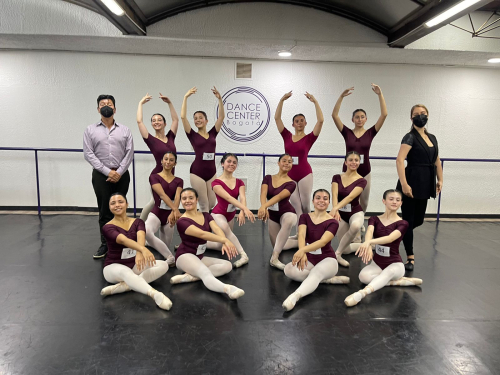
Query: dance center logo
(247, 115)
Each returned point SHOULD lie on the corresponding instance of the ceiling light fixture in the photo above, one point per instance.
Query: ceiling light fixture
(494, 61)
(284, 53)
(114, 7)
(451, 12)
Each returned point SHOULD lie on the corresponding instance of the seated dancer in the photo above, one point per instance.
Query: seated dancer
(129, 264)
(346, 189)
(165, 213)
(314, 262)
(275, 195)
(195, 229)
(387, 268)
(227, 189)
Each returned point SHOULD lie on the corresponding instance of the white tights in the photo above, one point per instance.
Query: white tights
(206, 196)
(311, 276)
(162, 244)
(227, 228)
(377, 278)
(136, 280)
(206, 269)
(147, 209)
(301, 197)
(279, 233)
(347, 232)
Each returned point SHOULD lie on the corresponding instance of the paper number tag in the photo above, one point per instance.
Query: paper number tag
(362, 159)
(295, 160)
(230, 208)
(201, 249)
(346, 208)
(274, 207)
(208, 156)
(315, 252)
(163, 206)
(383, 251)
(128, 253)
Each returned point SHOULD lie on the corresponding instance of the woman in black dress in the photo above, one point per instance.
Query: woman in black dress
(418, 180)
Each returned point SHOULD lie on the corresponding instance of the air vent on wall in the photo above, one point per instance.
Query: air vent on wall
(243, 71)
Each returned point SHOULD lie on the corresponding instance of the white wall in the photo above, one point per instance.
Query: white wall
(48, 98)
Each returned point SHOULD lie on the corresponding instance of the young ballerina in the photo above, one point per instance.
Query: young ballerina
(195, 229)
(202, 171)
(314, 262)
(129, 265)
(227, 189)
(298, 146)
(165, 213)
(161, 142)
(275, 195)
(385, 232)
(346, 189)
(360, 139)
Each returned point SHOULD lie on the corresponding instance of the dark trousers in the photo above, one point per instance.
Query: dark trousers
(413, 211)
(103, 191)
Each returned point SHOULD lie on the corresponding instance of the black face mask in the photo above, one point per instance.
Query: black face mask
(106, 111)
(419, 120)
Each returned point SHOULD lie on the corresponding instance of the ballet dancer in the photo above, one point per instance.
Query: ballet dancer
(275, 206)
(160, 143)
(165, 213)
(314, 262)
(418, 180)
(227, 189)
(195, 229)
(203, 169)
(129, 265)
(385, 232)
(298, 146)
(346, 189)
(360, 139)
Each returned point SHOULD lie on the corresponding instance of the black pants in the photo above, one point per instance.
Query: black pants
(413, 211)
(103, 191)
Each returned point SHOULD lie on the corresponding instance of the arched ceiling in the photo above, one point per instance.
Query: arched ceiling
(400, 20)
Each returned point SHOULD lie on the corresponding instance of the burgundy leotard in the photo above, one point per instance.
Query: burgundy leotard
(204, 169)
(223, 207)
(283, 205)
(383, 257)
(361, 145)
(170, 188)
(116, 253)
(314, 233)
(299, 151)
(189, 243)
(158, 148)
(344, 191)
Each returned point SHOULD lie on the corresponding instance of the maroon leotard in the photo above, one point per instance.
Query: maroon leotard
(222, 205)
(314, 232)
(344, 191)
(158, 148)
(361, 145)
(380, 230)
(189, 243)
(204, 169)
(170, 189)
(298, 149)
(284, 205)
(115, 250)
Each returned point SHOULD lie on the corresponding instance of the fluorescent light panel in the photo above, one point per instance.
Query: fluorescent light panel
(114, 7)
(284, 53)
(494, 61)
(451, 12)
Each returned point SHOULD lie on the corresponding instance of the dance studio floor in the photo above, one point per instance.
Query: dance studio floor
(53, 320)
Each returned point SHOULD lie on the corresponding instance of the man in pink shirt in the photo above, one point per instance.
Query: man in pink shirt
(108, 146)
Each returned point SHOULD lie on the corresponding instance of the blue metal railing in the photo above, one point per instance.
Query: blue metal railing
(263, 156)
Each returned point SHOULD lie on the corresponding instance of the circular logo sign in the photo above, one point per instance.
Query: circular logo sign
(247, 115)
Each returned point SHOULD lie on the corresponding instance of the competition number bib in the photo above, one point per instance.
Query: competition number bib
(274, 207)
(128, 253)
(362, 159)
(295, 160)
(201, 249)
(163, 206)
(346, 208)
(315, 252)
(208, 156)
(230, 208)
(383, 251)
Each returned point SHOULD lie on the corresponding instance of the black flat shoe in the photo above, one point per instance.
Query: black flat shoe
(409, 265)
(101, 253)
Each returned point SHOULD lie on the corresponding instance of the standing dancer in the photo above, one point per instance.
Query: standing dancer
(360, 139)
(298, 146)
(275, 195)
(195, 229)
(386, 269)
(314, 262)
(203, 169)
(346, 189)
(165, 213)
(160, 143)
(227, 189)
(418, 180)
(129, 264)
